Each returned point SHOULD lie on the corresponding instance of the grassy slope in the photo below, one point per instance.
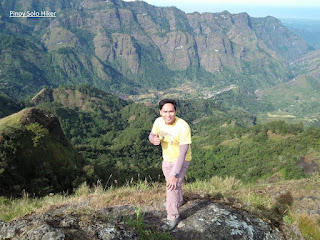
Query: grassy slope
(287, 204)
(11, 121)
(297, 100)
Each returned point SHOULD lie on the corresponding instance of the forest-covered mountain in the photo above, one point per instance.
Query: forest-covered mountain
(9, 106)
(308, 29)
(35, 155)
(112, 136)
(136, 48)
(298, 99)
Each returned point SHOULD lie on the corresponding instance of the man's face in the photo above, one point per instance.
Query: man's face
(168, 113)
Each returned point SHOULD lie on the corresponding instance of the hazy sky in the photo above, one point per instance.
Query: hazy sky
(303, 9)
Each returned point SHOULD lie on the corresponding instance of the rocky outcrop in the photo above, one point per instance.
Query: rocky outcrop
(207, 220)
(120, 48)
(178, 49)
(57, 38)
(47, 120)
(45, 95)
(201, 219)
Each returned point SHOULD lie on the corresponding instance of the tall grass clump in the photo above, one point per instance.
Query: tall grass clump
(215, 186)
(308, 225)
(83, 190)
(14, 208)
(256, 201)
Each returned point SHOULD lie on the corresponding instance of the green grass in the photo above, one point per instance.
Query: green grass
(11, 121)
(215, 186)
(298, 98)
(14, 208)
(253, 198)
(309, 226)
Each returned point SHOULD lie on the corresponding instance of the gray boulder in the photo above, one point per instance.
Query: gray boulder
(207, 220)
(200, 219)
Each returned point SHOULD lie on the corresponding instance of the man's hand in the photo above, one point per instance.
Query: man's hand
(156, 140)
(172, 183)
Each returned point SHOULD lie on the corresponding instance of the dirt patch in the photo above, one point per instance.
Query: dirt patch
(309, 163)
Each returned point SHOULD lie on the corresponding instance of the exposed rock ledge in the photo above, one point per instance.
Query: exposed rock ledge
(46, 119)
(201, 219)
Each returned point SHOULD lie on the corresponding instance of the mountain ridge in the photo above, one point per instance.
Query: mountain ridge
(134, 47)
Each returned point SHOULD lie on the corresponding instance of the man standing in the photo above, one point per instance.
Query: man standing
(174, 134)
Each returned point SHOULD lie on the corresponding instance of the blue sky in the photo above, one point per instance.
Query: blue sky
(302, 9)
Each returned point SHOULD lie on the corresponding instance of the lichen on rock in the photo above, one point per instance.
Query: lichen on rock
(201, 219)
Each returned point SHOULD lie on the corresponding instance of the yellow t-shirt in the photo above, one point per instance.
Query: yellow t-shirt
(172, 136)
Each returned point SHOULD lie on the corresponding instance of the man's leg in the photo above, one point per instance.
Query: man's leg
(174, 197)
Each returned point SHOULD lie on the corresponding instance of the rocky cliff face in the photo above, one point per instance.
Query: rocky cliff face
(46, 120)
(279, 39)
(100, 42)
(201, 219)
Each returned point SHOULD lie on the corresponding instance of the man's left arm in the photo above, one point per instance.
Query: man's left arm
(182, 156)
(172, 181)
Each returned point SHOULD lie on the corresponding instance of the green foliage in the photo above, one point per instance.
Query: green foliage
(287, 219)
(315, 84)
(33, 160)
(137, 222)
(300, 100)
(162, 77)
(111, 134)
(9, 106)
(38, 130)
(51, 69)
(249, 153)
(226, 142)
(308, 226)
(7, 41)
(65, 50)
(23, 73)
(242, 98)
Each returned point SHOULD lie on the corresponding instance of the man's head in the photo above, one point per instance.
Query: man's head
(168, 110)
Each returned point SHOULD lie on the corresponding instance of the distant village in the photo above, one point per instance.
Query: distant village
(211, 94)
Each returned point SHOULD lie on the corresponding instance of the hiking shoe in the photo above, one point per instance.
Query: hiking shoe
(170, 225)
(183, 203)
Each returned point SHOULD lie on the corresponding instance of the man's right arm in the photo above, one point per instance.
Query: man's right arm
(154, 139)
